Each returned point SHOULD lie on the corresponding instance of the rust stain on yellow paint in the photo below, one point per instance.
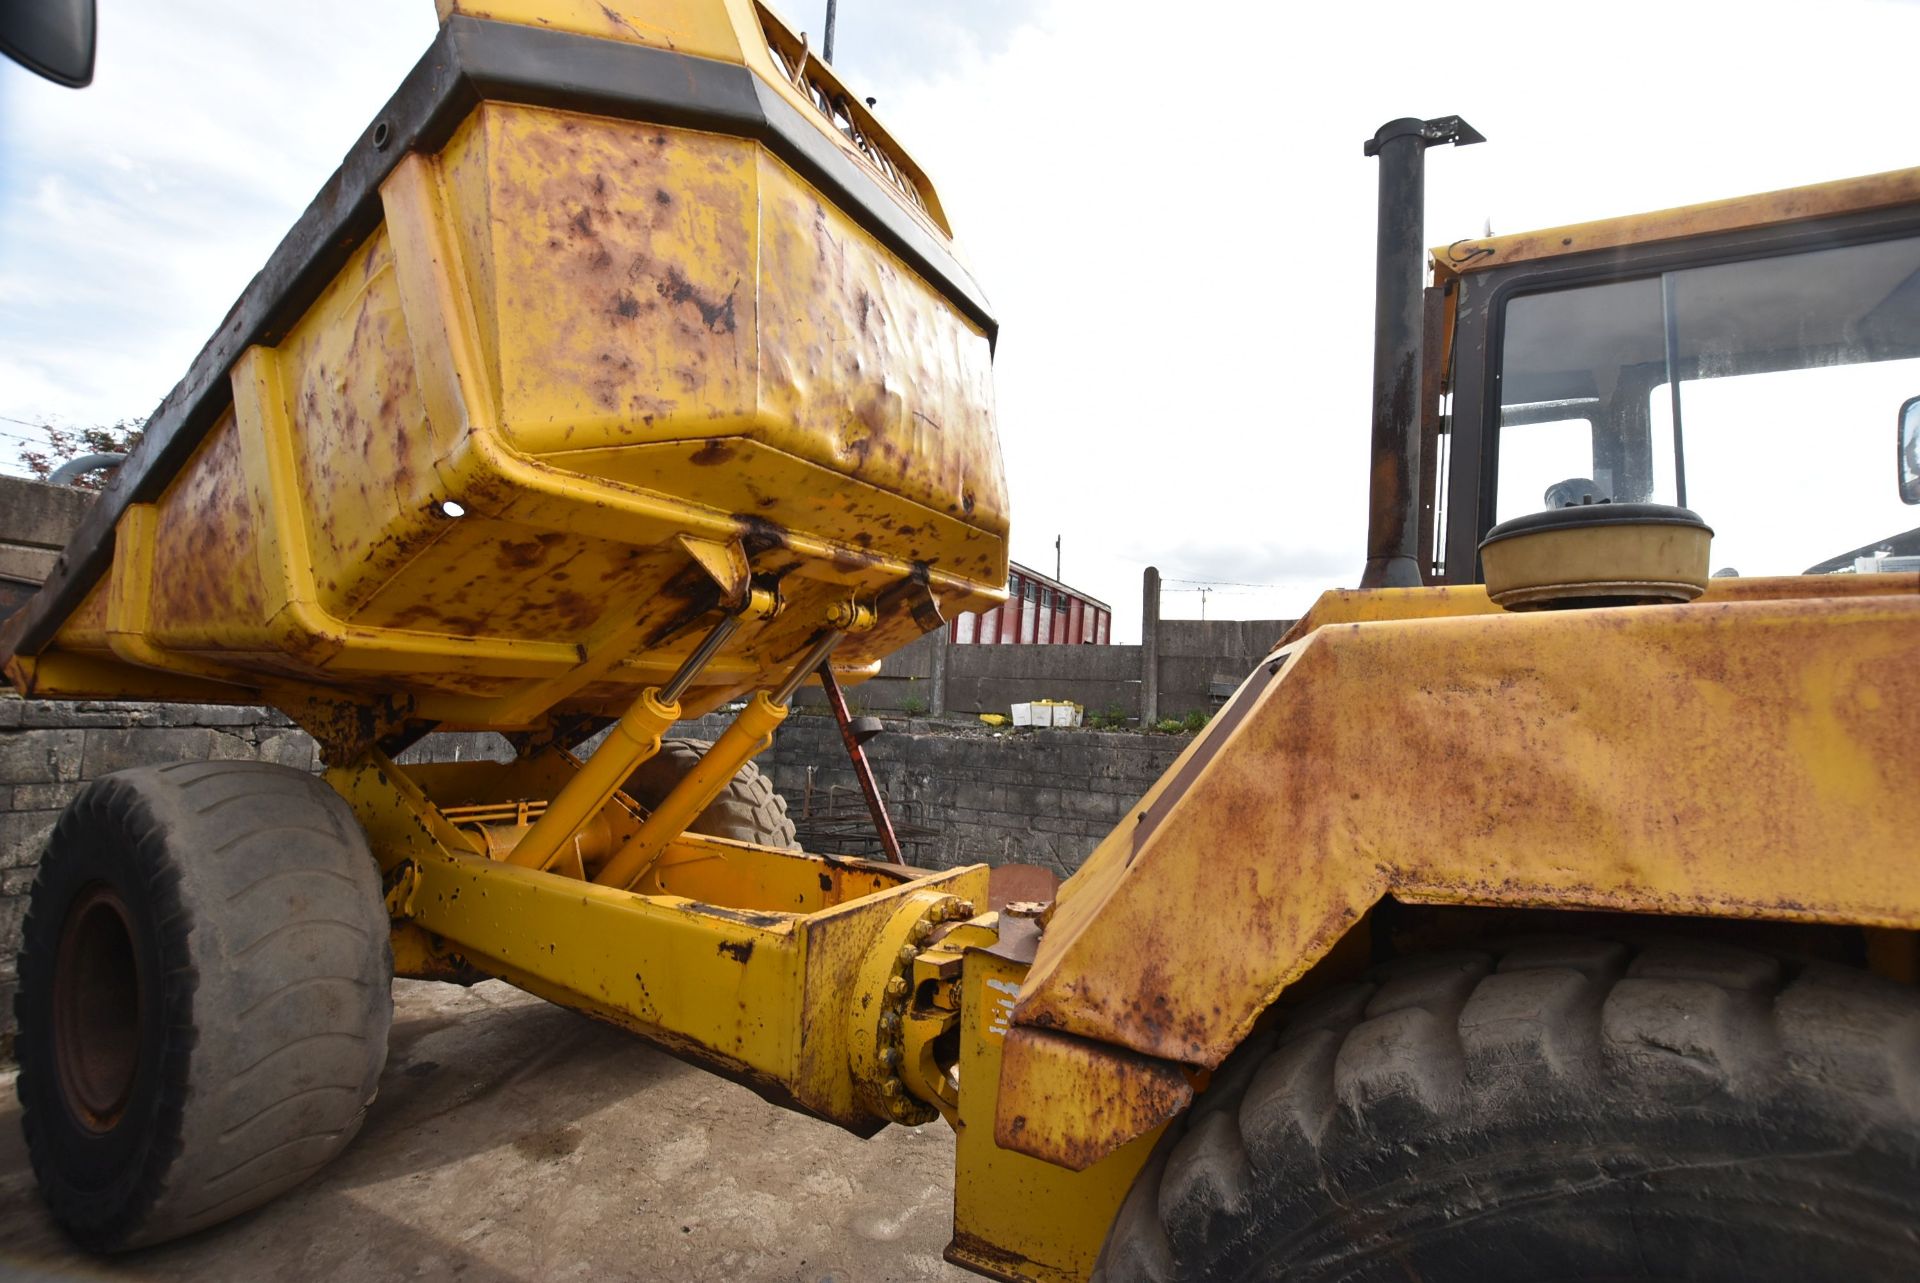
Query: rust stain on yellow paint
(1767, 209)
(1574, 759)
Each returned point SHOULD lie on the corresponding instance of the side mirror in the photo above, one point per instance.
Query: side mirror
(52, 38)
(1910, 451)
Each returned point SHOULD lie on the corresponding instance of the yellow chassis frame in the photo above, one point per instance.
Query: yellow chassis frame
(859, 992)
(751, 961)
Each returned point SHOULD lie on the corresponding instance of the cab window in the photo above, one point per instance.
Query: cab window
(1761, 394)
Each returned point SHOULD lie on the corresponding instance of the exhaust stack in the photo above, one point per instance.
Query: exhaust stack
(1393, 514)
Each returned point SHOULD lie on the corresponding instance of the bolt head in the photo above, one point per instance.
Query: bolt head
(897, 987)
(963, 909)
(889, 1057)
(907, 954)
(891, 1088)
(920, 932)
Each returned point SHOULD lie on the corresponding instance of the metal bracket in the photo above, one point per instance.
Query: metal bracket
(1441, 129)
(404, 882)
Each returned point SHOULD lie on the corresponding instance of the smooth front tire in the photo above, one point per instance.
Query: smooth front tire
(1558, 1109)
(205, 993)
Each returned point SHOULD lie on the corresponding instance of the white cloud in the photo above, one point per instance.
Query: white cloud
(133, 213)
(1168, 207)
(1176, 224)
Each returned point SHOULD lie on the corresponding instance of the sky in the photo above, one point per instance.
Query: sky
(1167, 205)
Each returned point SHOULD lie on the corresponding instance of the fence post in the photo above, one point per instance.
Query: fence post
(937, 683)
(1149, 647)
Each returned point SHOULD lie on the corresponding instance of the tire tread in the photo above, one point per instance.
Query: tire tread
(748, 809)
(1385, 1113)
(245, 986)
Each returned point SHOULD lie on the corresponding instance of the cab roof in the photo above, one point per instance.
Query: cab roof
(1767, 209)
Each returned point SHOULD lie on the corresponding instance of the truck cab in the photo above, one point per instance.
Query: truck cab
(1754, 360)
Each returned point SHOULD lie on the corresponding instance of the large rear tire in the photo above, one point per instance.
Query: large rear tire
(747, 810)
(1560, 1109)
(205, 992)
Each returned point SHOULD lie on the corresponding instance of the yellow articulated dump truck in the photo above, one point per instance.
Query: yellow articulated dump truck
(1545, 908)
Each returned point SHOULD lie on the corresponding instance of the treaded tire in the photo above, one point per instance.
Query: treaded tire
(1557, 1109)
(747, 810)
(223, 1041)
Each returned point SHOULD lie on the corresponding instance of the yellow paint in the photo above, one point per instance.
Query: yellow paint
(130, 606)
(1588, 759)
(1740, 213)
(487, 474)
(1016, 1217)
(749, 735)
(633, 739)
(757, 978)
(882, 1005)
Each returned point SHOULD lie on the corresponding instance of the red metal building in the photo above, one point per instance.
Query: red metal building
(1039, 611)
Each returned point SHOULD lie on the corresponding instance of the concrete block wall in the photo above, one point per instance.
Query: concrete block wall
(1195, 655)
(990, 679)
(906, 682)
(35, 522)
(1191, 658)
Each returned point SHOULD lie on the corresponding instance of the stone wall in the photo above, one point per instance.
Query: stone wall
(49, 749)
(1036, 797)
(1040, 797)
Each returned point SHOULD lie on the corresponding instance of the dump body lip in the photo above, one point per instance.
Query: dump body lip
(471, 61)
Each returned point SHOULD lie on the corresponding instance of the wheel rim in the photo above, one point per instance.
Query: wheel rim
(97, 1009)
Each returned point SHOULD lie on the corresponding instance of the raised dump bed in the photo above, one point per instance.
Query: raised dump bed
(602, 328)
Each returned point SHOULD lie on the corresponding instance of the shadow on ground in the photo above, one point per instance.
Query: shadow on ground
(515, 1142)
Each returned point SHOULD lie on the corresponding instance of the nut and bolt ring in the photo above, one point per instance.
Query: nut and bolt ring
(899, 1104)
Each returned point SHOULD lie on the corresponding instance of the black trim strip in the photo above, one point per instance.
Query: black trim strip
(469, 62)
(1223, 725)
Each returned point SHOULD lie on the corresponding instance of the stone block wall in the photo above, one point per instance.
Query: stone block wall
(1035, 797)
(48, 750)
(1040, 797)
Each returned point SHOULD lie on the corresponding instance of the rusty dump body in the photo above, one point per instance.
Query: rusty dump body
(589, 334)
(625, 367)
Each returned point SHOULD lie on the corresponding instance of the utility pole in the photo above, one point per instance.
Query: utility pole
(1203, 602)
(826, 45)
(1056, 557)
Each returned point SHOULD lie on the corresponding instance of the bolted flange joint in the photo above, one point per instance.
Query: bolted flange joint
(880, 1006)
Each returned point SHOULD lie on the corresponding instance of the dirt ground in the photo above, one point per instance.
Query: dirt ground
(514, 1142)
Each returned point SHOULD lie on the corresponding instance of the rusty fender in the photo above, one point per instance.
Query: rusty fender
(1746, 756)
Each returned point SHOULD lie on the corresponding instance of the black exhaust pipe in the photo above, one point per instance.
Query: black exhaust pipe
(1393, 511)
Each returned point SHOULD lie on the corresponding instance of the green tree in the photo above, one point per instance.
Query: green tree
(67, 444)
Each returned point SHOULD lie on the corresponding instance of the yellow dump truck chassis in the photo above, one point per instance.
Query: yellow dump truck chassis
(625, 374)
